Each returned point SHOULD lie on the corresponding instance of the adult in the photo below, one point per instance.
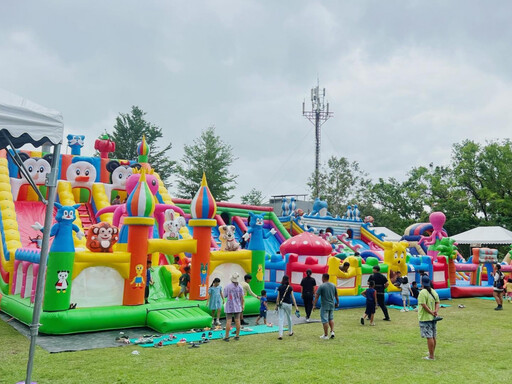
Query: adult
(499, 283)
(234, 305)
(284, 302)
(307, 286)
(328, 295)
(247, 291)
(428, 304)
(381, 283)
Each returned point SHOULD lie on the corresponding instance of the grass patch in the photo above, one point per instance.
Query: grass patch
(472, 346)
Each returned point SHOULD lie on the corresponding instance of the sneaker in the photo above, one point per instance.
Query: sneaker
(386, 319)
(406, 309)
(402, 310)
(243, 322)
(324, 337)
(428, 358)
(498, 308)
(332, 335)
(236, 338)
(226, 339)
(291, 334)
(362, 320)
(280, 338)
(372, 324)
(177, 298)
(307, 319)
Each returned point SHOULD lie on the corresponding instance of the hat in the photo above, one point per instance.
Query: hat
(425, 281)
(234, 277)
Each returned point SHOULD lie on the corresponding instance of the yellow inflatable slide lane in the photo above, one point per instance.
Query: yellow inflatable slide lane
(370, 236)
(100, 199)
(66, 197)
(10, 225)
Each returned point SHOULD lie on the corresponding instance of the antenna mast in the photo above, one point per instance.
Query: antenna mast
(318, 115)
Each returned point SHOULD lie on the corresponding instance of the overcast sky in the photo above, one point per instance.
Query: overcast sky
(405, 79)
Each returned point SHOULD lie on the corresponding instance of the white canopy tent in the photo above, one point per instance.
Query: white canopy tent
(484, 235)
(24, 122)
(389, 235)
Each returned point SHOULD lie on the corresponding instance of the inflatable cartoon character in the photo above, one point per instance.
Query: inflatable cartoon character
(101, 237)
(75, 142)
(256, 232)
(395, 256)
(204, 273)
(37, 169)
(119, 174)
(63, 228)
(172, 225)
(320, 208)
(227, 238)
(82, 175)
(259, 274)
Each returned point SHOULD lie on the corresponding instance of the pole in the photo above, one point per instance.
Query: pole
(317, 152)
(51, 183)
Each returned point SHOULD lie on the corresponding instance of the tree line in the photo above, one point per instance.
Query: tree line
(474, 190)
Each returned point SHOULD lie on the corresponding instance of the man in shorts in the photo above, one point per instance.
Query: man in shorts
(328, 295)
(428, 304)
(234, 306)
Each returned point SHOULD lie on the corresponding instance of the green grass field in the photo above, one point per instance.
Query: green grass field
(473, 347)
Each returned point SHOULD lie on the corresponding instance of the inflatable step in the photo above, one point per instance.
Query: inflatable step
(171, 320)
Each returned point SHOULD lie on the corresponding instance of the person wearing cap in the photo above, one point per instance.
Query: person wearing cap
(234, 295)
(428, 304)
(381, 283)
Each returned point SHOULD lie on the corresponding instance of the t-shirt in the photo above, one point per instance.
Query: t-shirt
(370, 296)
(405, 289)
(430, 300)
(308, 284)
(327, 293)
(263, 300)
(286, 298)
(379, 280)
(184, 279)
(247, 289)
(234, 295)
(148, 276)
(398, 281)
(415, 291)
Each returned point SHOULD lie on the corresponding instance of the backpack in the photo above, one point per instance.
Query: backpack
(500, 282)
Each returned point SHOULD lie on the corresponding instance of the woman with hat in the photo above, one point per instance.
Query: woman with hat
(428, 304)
(234, 306)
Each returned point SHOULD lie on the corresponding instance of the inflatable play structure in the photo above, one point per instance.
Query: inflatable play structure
(97, 264)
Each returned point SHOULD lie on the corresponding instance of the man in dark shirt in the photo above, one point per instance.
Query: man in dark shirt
(381, 283)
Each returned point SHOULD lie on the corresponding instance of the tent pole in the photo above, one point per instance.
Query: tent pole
(51, 183)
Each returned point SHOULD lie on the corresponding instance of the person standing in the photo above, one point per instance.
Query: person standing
(307, 286)
(371, 303)
(428, 304)
(328, 295)
(499, 283)
(284, 301)
(381, 283)
(234, 305)
(215, 300)
(247, 291)
(149, 281)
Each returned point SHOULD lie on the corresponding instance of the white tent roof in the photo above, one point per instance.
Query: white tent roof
(26, 122)
(484, 235)
(389, 235)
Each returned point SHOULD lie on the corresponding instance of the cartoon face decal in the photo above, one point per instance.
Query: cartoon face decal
(75, 140)
(119, 173)
(37, 168)
(150, 179)
(66, 212)
(81, 173)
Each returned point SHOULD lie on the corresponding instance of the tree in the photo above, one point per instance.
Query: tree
(340, 183)
(128, 132)
(254, 197)
(208, 154)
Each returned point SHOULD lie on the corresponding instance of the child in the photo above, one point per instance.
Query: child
(184, 280)
(149, 281)
(371, 303)
(508, 289)
(414, 289)
(216, 299)
(406, 294)
(263, 308)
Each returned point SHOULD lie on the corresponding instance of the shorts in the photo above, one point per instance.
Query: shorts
(370, 309)
(326, 315)
(263, 313)
(235, 315)
(183, 289)
(428, 329)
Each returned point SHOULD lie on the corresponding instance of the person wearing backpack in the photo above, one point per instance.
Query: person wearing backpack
(499, 283)
(428, 304)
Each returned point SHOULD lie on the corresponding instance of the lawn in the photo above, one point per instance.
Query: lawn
(473, 347)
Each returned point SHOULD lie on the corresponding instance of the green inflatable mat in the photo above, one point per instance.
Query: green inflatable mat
(197, 337)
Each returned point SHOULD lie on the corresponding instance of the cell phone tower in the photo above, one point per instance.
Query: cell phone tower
(318, 115)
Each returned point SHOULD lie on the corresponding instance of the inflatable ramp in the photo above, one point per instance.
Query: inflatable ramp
(178, 318)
